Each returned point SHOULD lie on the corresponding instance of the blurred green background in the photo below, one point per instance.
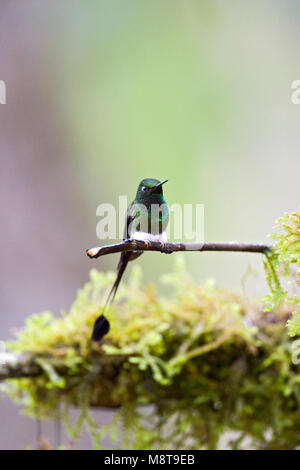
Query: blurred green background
(105, 93)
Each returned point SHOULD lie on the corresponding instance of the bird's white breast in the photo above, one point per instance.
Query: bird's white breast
(144, 236)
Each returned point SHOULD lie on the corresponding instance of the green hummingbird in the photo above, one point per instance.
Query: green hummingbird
(147, 218)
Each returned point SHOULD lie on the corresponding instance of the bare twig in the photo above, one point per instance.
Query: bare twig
(139, 245)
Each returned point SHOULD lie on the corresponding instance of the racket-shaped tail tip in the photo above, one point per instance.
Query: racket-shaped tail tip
(101, 328)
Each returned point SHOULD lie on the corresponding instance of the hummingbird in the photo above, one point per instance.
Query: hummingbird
(146, 219)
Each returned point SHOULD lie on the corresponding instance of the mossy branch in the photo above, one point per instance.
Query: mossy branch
(133, 245)
(14, 366)
(206, 359)
(32, 366)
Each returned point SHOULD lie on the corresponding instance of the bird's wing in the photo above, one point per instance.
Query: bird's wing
(129, 218)
(131, 214)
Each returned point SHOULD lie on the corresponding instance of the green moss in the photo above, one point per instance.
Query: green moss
(285, 257)
(204, 359)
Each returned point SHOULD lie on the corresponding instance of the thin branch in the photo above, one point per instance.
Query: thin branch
(139, 245)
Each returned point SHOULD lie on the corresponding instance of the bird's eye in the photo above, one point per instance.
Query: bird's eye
(144, 188)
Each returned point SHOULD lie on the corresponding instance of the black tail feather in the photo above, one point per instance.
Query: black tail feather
(101, 328)
(101, 325)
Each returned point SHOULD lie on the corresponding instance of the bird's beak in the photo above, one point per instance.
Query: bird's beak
(158, 185)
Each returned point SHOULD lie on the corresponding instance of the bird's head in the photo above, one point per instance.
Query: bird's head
(148, 188)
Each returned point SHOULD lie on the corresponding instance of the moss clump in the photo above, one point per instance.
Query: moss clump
(285, 258)
(204, 359)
